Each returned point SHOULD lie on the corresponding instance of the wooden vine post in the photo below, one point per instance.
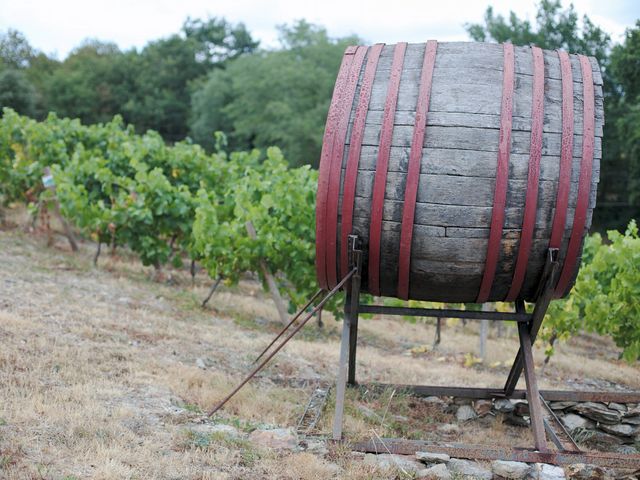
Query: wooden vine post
(271, 281)
(48, 183)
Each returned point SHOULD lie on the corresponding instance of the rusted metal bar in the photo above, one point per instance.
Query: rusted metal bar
(353, 300)
(445, 313)
(481, 393)
(347, 362)
(341, 381)
(544, 297)
(326, 298)
(556, 430)
(533, 395)
(286, 327)
(482, 452)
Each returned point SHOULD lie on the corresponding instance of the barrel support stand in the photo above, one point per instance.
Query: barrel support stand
(347, 362)
(528, 327)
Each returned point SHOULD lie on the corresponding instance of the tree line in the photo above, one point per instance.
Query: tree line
(213, 76)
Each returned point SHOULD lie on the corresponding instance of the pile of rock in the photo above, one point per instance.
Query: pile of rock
(604, 425)
(438, 466)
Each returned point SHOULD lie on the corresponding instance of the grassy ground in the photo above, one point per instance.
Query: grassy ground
(101, 373)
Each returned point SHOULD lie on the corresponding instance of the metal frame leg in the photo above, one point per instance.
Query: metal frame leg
(533, 394)
(348, 345)
(341, 382)
(354, 300)
(544, 297)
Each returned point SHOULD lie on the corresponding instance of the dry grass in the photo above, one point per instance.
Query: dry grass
(98, 374)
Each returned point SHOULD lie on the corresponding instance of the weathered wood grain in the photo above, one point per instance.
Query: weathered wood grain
(468, 163)
(552, 121)
(442, 215)
(458, 190)
(467, 90)
(477, 139)
(485, 56)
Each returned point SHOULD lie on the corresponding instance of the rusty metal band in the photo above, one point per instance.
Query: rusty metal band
(533, 176)
(382, 164)
(413, 170)
(584, 183)
(323, 174)
(566, 153)
(502, 175)
(337, 154)
(355, 148)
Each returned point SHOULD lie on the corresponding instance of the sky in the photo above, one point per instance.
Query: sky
(57, 26)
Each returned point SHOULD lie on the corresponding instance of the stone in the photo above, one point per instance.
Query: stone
(369, 414)
(544, 471)
(391, 461)
(628, 449)
(277, 438)
(436, 472)
(465, 413)
(620, 407)
(448, 428)
(620, 430)
(562, 405)
(399, 418)
(433, 399)
(482, 407)
(632, 412)
(521, 408)
(572, 421)
(601, 441)
(333, 469)
(218, 428)
(428, 457)
(503, 405)
(631, 420)
(468, 470)
(513, 419)
(598, 412)
(512, 470)
(581, 471)
(317, 447)
(200, 364)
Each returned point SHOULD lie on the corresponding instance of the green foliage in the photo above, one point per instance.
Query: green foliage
(17, 92)
(276, 97)
(164, 71)
(93, 83)
(15, 51)
(555, 28)
(279, 202)
(604, 298)
(166, 202)
(625, 71)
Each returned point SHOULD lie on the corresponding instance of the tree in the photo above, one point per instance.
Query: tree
(17, 92)
(93, 83)
(625, 71)
(15, 51)
(555, 28)
(276, 97)
(166, 69)
(217, 40)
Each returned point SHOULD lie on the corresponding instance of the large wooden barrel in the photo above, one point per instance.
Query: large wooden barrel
(458, 165)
